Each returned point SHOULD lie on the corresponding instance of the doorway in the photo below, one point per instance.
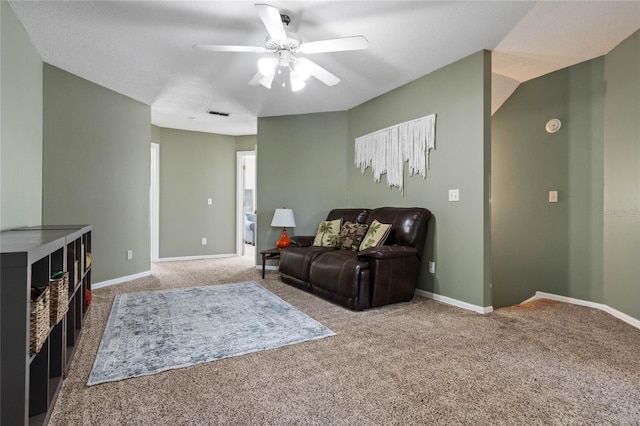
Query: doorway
(246, 203)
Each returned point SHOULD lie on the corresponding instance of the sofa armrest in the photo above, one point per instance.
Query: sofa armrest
(387, 252)
(302, 240)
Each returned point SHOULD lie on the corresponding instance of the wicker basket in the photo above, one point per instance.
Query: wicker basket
(39, 324)
(59, 292)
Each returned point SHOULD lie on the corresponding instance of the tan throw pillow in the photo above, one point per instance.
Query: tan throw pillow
(376, 235)
(328, 233)
(351, 234)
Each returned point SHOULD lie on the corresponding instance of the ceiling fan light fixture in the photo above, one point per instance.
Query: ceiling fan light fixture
(266, 80)
(267, 66)
(302, 70)
(296, 82)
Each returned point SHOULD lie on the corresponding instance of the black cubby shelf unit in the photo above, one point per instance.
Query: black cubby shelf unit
(29, 383)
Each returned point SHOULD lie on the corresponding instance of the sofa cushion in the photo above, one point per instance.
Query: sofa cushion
(376, 235)
(328, 233)
(296, 261)
(337, 272)
(351, 234)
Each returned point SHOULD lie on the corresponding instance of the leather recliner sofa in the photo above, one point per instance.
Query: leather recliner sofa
(364, 279)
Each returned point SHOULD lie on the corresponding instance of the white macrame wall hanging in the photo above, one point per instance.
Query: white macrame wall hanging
(386, 150)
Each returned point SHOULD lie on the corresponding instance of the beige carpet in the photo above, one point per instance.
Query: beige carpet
(419, 363)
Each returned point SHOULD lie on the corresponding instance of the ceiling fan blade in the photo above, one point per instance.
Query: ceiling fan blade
(335, 45)
(260, 78)
(271, 19)
(320, 73)
(229, 48)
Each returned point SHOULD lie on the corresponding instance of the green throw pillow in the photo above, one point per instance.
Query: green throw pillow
(328, 233)
(376, 235)
(351, 234)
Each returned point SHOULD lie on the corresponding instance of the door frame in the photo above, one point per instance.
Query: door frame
(154, 202)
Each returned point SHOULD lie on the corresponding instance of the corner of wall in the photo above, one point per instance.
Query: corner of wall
(21, 125)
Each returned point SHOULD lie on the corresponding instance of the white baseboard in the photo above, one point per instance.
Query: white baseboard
(539, 295)
(120, 280)
(616, 313)
(209, 256)
(455, 302)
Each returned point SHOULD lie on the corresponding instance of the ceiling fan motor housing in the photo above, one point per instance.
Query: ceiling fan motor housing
(293, 41)
(284, 58)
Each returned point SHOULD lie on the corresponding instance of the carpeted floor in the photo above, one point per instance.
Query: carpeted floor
(418, 363)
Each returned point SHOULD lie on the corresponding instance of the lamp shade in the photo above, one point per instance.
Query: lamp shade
(283, 218)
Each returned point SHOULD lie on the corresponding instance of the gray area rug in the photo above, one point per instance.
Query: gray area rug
(155, 331)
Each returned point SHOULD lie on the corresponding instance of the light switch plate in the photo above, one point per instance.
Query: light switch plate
(209, 201)
(553, 196)
(454, 195)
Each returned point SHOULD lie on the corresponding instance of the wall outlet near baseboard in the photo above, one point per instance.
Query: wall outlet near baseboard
(204, 241)
(129, 254)
(432, 267)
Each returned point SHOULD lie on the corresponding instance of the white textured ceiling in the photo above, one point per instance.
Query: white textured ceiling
(142, 49)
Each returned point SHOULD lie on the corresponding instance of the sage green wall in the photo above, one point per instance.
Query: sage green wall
(587, 245)
(196, 166)
(622, 177)
(302, 165)
(96, 169)
(459, 234)
(246, 143)
(537, 245)
(156, 134)
(20, 125)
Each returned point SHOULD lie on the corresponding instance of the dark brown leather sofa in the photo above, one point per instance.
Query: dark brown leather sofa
(361, 279)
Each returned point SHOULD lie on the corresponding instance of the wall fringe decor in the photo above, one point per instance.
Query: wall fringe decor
(386, 150)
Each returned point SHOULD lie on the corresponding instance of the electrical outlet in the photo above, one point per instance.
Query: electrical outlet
(553, 196)
(204, 241)
(454, 195)
(432, 267)
(209, 201)
(129, 254)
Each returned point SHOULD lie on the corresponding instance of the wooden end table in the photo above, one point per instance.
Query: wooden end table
(272, 253)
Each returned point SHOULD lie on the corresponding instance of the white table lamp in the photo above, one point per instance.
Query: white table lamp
(283, 218)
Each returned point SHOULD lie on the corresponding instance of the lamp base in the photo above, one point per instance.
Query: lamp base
(284, 240)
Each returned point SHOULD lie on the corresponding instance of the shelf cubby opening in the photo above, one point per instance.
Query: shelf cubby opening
(57, 261)
(39, 381)
(40, 273)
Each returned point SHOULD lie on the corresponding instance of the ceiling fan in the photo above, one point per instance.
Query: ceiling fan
(284, 48)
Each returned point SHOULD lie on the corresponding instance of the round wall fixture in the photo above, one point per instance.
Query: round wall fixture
(553, 125)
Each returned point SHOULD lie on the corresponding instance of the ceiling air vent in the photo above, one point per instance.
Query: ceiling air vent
(223, 114)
